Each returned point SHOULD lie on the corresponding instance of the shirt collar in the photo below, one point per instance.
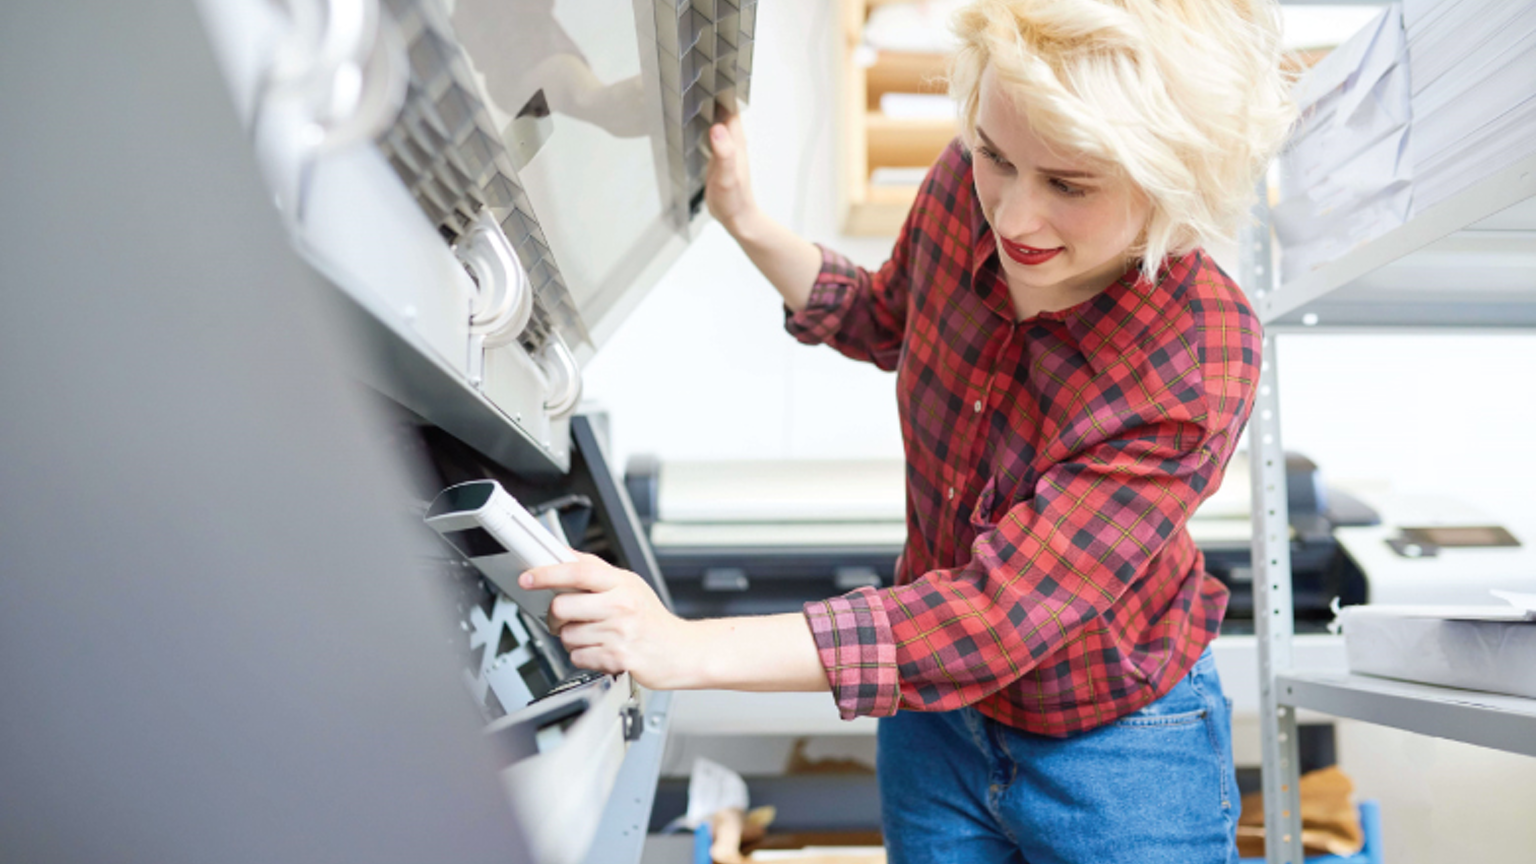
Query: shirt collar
(983, 242)
(986, 269)
(1110, 326)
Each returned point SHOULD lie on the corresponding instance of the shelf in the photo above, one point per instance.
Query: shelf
(881, 212)
(1485, 719)
(904, 72)
(871, 140)
(1468, 261)
(906, 143)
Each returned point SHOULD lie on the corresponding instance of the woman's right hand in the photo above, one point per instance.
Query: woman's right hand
(789, 261)
(728, 184)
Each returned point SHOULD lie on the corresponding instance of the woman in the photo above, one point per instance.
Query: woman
(1073, 374)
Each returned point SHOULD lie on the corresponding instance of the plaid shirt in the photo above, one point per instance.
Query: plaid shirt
(1048, 577)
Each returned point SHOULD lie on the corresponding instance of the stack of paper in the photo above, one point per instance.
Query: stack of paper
(922, 27)
(1473, 67)
(1346, 175)
(918, 106)
(1490, 648)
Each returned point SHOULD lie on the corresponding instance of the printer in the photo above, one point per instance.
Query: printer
(492, 186)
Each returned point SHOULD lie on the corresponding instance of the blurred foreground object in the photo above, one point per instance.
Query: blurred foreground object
(212, 643)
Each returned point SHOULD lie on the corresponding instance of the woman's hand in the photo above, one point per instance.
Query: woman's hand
(728, 184)
(789, 261)
(611, 621)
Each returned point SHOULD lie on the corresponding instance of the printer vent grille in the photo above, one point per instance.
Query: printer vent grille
(704, 48)
(446, 150)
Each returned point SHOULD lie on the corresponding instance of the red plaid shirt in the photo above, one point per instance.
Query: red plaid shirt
(1048, 577)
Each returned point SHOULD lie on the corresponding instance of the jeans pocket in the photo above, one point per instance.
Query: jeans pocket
(1184, 705)
(1154, 721)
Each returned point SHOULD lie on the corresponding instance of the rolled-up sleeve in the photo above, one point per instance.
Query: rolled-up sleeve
(860, 313)
(853, 637)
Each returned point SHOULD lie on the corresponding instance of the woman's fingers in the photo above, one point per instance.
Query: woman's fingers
(611, 621)
(554, 623)
(592, 646)
(578, 636)
(727, 184)
(738, 130)
(587, 573)
(722, 146)
(579, 607)
(597, 660)
(721, 184)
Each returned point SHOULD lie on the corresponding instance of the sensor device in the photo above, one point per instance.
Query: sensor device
(501, 538)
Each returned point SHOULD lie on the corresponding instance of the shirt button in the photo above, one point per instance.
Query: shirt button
(951, 493)
(978, 406)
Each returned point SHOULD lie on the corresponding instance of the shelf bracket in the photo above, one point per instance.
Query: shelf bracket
(1273, 611)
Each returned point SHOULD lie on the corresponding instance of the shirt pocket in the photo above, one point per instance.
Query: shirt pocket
(981, 513)
(1002, 492)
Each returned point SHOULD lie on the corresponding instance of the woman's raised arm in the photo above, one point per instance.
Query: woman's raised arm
(789, 261)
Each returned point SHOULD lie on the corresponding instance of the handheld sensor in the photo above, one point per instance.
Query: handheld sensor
(503, 540)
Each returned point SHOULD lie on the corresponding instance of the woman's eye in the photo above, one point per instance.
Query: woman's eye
(991, 156)
(1066, 188)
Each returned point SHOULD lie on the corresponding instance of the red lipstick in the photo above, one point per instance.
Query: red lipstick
(1027, 255)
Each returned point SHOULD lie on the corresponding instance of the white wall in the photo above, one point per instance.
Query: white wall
(1442, 801)
(704, 369)
(1450, 414)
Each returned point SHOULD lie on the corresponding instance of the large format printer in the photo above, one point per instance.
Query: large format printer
(486, 188)
(760, 537)
(764, 537)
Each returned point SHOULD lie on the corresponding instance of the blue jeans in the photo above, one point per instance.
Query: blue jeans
(1156, 786)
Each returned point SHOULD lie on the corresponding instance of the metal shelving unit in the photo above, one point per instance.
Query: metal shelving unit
(1467, 262)
(1402, 279)
(1486, 719)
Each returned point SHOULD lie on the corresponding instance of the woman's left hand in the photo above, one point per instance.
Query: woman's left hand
(611, 621)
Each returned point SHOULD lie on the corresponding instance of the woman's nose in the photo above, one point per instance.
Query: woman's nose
(1019, 213)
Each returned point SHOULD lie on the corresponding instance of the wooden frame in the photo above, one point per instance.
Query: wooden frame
(871, 140)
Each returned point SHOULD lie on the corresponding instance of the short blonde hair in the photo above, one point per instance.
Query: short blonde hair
(1186, 98)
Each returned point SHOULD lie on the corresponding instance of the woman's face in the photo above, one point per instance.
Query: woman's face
(1063, 226)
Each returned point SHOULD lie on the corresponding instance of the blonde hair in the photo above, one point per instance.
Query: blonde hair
(1186, 98)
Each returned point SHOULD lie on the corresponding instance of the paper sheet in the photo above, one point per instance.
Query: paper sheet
(712, 787)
